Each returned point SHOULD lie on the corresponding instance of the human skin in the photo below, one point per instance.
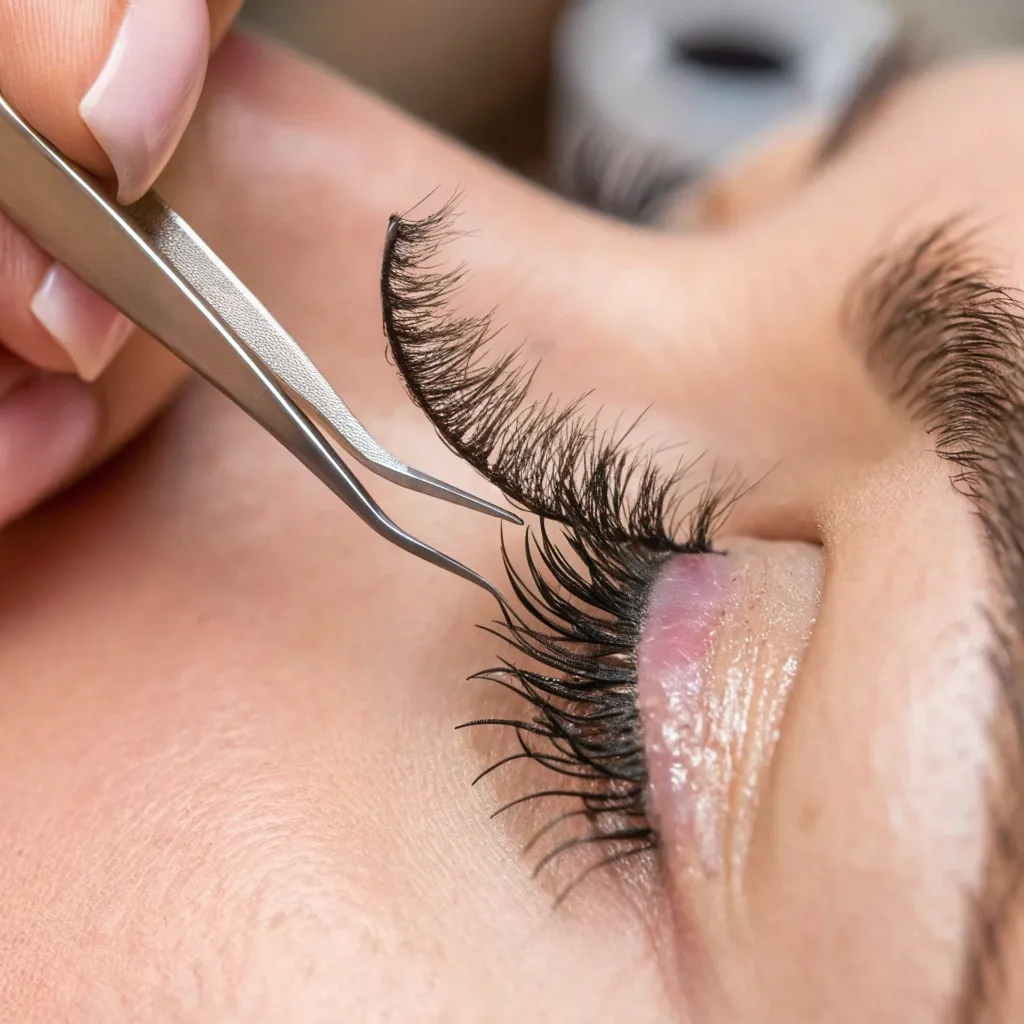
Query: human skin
(229, 781)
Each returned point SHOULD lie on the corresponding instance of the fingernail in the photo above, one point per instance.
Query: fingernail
(83, 323)
(47, 426)
(146, 92)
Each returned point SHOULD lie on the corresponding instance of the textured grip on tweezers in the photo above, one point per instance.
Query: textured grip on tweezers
(241, 311)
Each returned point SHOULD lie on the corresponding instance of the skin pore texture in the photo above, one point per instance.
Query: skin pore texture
(230, 783)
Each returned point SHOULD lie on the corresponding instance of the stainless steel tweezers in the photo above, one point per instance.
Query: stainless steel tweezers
(146, 261)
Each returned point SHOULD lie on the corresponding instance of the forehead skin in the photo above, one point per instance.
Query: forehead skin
(230, 784)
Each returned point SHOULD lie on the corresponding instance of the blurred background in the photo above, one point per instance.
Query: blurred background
(482, 69)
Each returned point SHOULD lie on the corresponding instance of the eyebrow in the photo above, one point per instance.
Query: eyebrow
(946, 343)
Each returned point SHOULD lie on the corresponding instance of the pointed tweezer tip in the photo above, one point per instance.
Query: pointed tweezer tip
(499, 513)
(447, 492)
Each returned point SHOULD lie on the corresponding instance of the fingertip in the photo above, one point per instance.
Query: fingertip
(47, 426)
(147, 90)
(89, 330)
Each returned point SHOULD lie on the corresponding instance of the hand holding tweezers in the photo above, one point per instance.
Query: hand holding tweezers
(149, 264)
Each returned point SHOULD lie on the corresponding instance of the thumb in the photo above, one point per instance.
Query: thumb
(112, 83)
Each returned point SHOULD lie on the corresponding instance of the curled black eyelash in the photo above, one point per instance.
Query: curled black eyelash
(608, 520)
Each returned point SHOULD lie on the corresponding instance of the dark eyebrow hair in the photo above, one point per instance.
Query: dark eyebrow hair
(946, 342)
(906, 55)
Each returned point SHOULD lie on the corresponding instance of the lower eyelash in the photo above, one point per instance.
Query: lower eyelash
(608, 520)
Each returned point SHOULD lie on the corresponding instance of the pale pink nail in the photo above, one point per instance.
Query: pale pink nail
(46, 428)
(143, 98)
(83, 323)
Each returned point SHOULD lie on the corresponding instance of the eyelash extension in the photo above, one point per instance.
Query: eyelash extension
(629, 186)
(608, 518)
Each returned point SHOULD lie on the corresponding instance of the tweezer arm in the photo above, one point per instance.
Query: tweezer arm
(71, 217)
(120, 252)
(184, 251)
(188, 256)
(150, 264)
